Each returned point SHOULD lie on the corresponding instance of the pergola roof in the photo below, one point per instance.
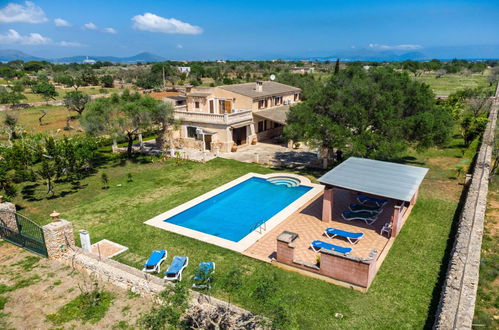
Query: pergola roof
(386, 179)
(278, 114)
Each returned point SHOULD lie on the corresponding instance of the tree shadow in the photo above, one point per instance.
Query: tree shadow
(407, 160)
(28, 192)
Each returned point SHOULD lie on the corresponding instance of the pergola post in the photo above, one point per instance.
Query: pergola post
(327, 204)
(395, 220)
(415, 197)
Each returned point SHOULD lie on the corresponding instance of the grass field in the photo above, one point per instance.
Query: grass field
(53, 121)
(403, 295)
(30, 97)
(450, 83)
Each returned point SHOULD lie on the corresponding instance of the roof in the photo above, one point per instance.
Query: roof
(278, 114)
(198, 94)
(269, 88)
(162, 95)
(177, 98)
(390, 180)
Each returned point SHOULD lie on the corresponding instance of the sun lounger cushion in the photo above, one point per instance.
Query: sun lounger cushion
(363, 207)
(343, 233)
(155, 258)
(323, 245)
(205, 267)
(357, 215)
(364, 199)
(176, 265)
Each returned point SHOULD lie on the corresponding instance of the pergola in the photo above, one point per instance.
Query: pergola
(386, 180)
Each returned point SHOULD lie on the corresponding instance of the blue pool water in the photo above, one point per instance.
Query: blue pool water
(233, 213)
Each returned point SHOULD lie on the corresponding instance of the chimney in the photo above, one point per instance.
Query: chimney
(259, 86)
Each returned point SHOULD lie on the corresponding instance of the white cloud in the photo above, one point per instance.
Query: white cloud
(61, 22)
(180, 46)
(69, 44)
(395, 47)
(13, 37)
(110, 30)
(29, 13)
(154, 23)
(90, 26)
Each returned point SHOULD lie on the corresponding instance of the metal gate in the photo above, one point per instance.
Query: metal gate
(23, 232)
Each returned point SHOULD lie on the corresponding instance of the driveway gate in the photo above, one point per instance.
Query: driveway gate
(23, 232)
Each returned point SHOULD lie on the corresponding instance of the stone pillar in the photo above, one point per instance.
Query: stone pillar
(59, 237)
(395, 220)
(141, 142)
(8, 214)
(257, 157)
(115, 145)
(327, 205)
(285, 247)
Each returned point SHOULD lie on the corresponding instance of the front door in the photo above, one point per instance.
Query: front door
(207, 142)
(239, 135)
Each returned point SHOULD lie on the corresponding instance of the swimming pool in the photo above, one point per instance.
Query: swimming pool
(235, 212)
(238, 213)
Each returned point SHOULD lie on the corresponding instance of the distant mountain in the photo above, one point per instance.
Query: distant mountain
(7, 55)
(370, 56)
(10, 55)
(142, 57)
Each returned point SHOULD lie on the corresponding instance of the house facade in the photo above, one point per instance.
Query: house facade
(219, 118)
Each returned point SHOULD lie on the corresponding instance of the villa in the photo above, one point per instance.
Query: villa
(224, 117)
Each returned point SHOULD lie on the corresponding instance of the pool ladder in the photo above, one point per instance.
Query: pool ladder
(260, 225)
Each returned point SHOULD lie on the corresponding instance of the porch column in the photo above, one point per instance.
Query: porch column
(395, 220)
(327, 205)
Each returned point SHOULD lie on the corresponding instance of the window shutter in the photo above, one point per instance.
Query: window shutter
(228, 106)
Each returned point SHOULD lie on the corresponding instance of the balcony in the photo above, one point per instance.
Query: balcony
(236, 116)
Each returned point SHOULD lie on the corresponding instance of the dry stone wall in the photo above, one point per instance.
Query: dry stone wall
(457, 302)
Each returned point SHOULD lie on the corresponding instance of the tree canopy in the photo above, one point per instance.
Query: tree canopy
(376, 113)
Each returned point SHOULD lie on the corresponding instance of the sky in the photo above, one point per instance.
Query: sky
(254, 29)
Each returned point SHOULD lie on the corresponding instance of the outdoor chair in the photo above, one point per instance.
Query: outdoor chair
(368, 217)
(353, 238)
(365, 208)
(387, 228)
(371, 201)
(317, 245)
(174, 271)
(153, 264)
(202, 277)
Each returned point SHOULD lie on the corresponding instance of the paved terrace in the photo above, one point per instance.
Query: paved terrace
(308, 225)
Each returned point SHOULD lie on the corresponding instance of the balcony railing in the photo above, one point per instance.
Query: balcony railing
(214, 118)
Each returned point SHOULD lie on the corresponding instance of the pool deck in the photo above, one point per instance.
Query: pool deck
(307, 223)
(250, 239)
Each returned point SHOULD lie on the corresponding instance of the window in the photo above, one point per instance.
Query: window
(261, 104)
(278, 100)
(196, 104)
(262, 126)
(212, 107)
(296, 98)
(191, 131)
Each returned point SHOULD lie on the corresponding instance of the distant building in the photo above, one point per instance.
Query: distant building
(184, 69)
(220, 61)
(89, 61)
(366, 67)
(302, 70)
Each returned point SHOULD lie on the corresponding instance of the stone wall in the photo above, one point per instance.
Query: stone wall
(457, 301)
(7, 215)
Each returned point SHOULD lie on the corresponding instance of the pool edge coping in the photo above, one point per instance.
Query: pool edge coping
(251, 238)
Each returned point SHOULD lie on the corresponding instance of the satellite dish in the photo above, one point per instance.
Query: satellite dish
(272, 77)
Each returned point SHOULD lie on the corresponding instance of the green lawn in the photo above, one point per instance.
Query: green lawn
(403, 295)
(450, 83)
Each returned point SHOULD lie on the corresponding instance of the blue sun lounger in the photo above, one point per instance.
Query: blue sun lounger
(153, 264)
(317, 245)
(203, 275)
(365, 208)
(368, 217)
(371, 200)
(353, 238)
(174, 271)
